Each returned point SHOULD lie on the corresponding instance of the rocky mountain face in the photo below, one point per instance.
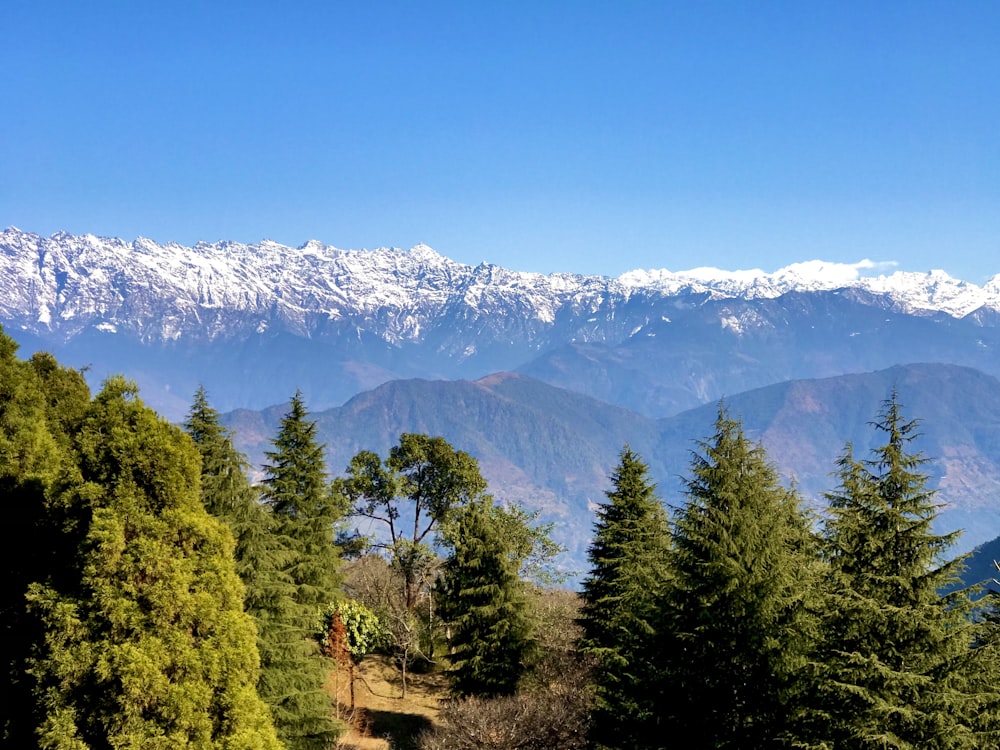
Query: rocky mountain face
(254, 322)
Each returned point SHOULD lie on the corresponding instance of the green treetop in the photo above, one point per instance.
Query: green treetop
(411, 494)
(149, 647)
(483, 599)
(296, 488)
(228, 495)
(293, 593)
(40, 406)
(628, 569)
(735, 620)
(896, 652)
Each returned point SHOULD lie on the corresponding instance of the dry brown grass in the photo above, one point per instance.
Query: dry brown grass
(382, 718)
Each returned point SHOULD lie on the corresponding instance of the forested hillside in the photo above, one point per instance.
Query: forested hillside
(156, 597)
(548, 448)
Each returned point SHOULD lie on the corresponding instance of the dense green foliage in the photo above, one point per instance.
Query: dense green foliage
(228, 495)
(292, 596)
(483, 599)
(296, 488)
(760, 634)
(734, 624)
(363, 632)
(146, 644)
(40, 406)
(735, 621)
(894, 659)
(621, 594)
(262, 559)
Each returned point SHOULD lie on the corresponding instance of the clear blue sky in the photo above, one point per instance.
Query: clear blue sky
(594, 137)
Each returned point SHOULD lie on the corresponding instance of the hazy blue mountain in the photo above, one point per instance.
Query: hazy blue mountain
(552, 449)
(254, 322)
(722, 347)
(389, 340)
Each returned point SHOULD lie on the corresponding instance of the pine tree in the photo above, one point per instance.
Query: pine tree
(261, 556)
(483, 599)
(228, 495)
(150, 646)
(896, 652)
(224, 486)
(304, 512)
(296, 487)
(628, 559)
(734, 617)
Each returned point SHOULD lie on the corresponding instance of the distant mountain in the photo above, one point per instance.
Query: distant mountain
(805, 425)
(981, 568)
(254, 322)
(553, 449)
(547, 448)
(721, 347)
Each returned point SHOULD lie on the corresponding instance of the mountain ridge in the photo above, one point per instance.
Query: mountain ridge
(253, 323)
(552, 449)
(321, 280)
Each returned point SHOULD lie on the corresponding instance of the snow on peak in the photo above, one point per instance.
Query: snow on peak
(826, 275)
(71, 282)
(812, 274)
(312, 246)
(912, 292)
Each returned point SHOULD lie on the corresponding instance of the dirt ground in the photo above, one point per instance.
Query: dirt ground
(382, 719)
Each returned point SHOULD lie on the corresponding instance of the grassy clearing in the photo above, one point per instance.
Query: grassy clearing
(382, 719)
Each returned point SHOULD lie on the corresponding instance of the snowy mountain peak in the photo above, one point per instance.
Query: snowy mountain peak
(314, 246)
(65, 284)
(911, 292)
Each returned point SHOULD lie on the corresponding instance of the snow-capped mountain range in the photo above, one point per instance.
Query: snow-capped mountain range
(253, 322)
(803, 354)
(63, 284)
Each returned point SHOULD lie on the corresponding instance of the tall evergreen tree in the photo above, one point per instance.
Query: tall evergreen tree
(150, 646)
(261, 555)
(628, 559)
(304, 512)
(296, 487)
(483, 599)
(228, 495)
(224, 485)
(895, 652)
(734, 617)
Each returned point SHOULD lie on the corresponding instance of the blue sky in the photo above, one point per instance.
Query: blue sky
(594, 137)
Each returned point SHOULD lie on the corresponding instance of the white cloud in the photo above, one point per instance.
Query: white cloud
(826, 272)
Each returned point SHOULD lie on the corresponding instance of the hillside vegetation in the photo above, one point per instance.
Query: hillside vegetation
(156, 597)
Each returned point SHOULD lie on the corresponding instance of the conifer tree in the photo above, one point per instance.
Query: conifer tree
(149, 646)
(288, 674)
(896, 652)
(296, 487)
(628, 559)
(735, 624)
(228, 495)
(483, 599)
(224, 486)
(304, 513)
